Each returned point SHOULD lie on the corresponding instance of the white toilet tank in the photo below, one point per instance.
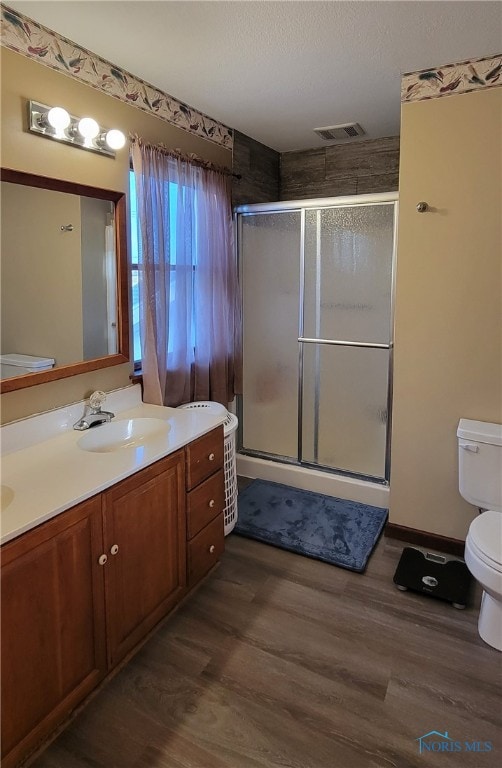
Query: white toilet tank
(18, 365)
(480, 463)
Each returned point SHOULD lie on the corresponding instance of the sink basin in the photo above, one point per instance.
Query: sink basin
(6, 496)
(127, 433)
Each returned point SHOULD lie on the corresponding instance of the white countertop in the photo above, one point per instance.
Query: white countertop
(43, 477)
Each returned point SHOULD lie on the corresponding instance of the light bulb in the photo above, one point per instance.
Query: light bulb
(58, 118)
(88, 128)
(115, 139)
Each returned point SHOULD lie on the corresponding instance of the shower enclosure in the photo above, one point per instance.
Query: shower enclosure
(317, 282)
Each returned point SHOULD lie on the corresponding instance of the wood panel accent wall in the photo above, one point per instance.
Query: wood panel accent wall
(259, 168)
(341, 169)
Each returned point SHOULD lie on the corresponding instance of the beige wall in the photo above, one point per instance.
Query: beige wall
(22, 79)
(41, 298)
(448, 301)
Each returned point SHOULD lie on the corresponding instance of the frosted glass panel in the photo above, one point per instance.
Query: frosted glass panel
(348, 268)
(345, 408)
(270, 258)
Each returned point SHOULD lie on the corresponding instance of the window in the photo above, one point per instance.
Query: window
(188, 196)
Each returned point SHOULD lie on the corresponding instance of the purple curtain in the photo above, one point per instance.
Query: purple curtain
(190, 320)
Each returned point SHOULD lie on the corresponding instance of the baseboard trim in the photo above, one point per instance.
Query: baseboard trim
(425, 539)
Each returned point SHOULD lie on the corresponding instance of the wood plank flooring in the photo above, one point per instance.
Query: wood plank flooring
(279, 660)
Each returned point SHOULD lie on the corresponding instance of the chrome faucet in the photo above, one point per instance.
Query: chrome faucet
(93, 415)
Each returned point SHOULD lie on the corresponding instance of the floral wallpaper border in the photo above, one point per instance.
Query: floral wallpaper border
(467, 76)
(31, 39)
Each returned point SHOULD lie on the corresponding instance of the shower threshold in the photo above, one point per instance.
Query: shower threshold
(374, 492)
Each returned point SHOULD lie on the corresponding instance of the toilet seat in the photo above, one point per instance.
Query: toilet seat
(485, 538)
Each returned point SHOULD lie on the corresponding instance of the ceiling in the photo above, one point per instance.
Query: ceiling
(277, 70)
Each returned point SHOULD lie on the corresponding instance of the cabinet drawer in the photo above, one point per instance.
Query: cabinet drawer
(205, 549)
(204, 503)
(204, 457)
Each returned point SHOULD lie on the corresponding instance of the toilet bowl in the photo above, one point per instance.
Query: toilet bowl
(480, 472)
(483, 557)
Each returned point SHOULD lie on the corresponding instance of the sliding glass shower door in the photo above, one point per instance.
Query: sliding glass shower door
(270, 273)
(317, 344)
(346, 337)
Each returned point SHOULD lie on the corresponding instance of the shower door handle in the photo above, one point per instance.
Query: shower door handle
(340, 343)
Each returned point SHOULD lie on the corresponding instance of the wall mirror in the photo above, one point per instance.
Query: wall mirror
(64, 280)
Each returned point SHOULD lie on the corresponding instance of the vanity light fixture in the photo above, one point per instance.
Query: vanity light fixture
(86, 133)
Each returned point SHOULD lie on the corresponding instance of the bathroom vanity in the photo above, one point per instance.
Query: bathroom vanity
(83, 588)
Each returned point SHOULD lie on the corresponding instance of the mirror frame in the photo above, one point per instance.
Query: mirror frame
(122, 356)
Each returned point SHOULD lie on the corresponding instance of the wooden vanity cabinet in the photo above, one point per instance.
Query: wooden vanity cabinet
(80, 591)
(144, 533)
(53, 625)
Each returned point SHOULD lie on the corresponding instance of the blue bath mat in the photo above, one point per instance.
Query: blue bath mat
(334, 530)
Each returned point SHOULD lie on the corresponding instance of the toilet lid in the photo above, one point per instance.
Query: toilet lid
(485, 533)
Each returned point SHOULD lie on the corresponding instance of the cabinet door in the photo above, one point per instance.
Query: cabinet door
(144, 525)
(53, 635)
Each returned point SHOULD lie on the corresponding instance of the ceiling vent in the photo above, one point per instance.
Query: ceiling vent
(343, 132)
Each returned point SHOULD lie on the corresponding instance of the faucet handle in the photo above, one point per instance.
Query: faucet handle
(97, 399)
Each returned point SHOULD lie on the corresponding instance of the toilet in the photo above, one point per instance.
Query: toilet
(480, 483)
(18, 365)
